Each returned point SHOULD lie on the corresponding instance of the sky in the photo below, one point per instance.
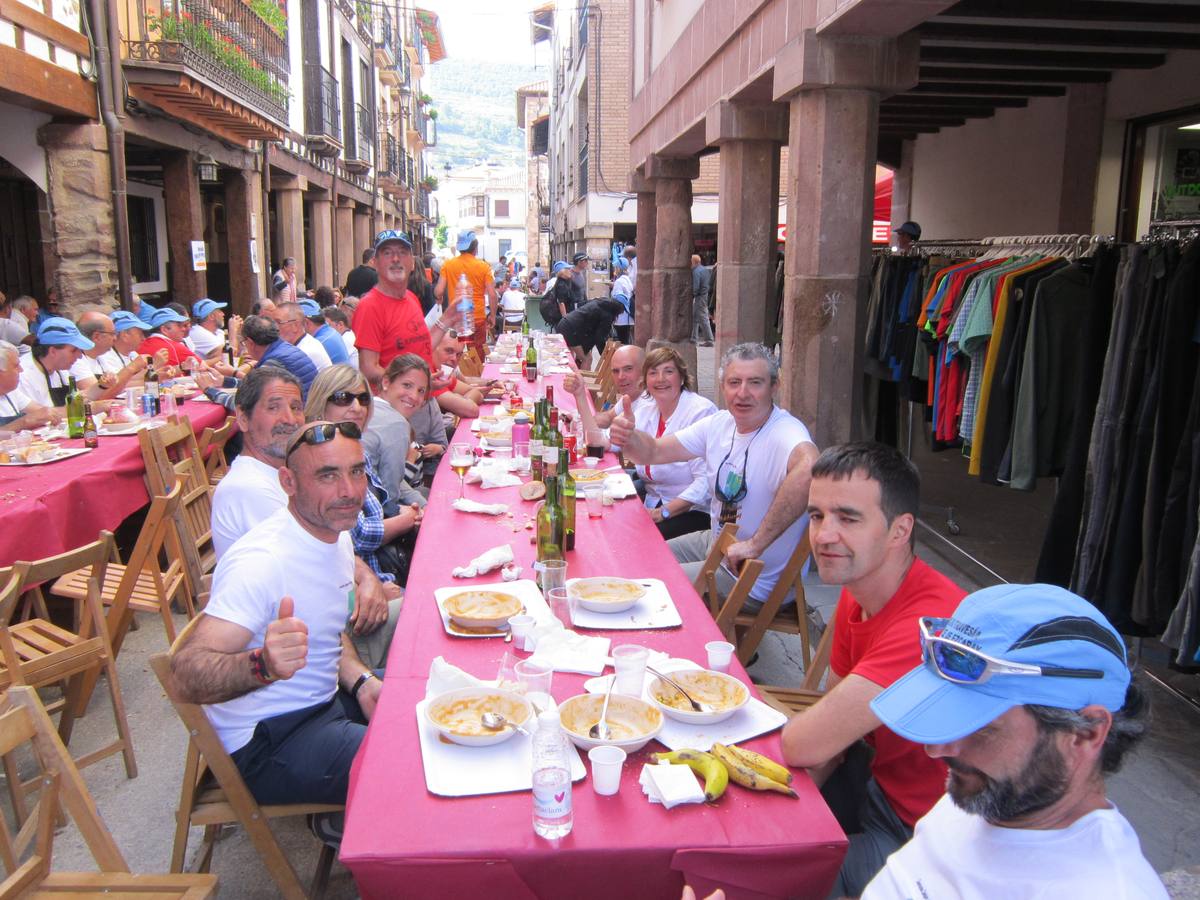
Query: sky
(488, 30)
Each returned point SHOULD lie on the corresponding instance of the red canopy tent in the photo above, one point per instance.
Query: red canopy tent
(881, 226)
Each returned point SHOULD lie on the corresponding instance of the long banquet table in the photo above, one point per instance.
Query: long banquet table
(58, 506)
(401, 840)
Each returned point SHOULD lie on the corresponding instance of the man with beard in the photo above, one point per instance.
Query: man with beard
(1026, 694)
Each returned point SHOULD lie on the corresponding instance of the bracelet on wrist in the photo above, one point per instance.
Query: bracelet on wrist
(258, 667)
(362, 679)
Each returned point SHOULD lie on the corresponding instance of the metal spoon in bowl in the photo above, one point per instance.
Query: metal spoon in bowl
(697, 706)
(495, 722)
(600, 731)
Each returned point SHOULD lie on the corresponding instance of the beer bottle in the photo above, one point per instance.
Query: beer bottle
(75, 410)
(567, 493)
(90, 435)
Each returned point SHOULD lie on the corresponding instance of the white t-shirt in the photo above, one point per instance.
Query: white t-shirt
(33, 381)
(313, 350)
(512, 303)
(113, 361)
(760, 458)
(14, 402)
(622, 287)
(85, 367)
(686, 480)
(204, 341)
(276, 559)
(958, 856)
(348, 340)
(248, 493)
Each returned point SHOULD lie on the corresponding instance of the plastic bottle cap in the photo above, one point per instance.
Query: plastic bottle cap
(549, 719)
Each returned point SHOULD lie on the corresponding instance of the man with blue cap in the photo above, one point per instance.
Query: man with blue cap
(130, 330)
(316, 327)
(1026, 694)
(172, 327)
(207, 338)
(480, 282)
(44, 372)
(560, 294)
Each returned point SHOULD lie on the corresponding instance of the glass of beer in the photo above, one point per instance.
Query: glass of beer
(461, 460)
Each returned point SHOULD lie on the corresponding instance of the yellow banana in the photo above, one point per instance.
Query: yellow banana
(763, 765)
(707, 766)
(746, 776)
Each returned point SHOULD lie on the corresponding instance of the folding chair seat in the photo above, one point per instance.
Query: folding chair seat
(724, 610)
(774, 615)
(793, 700)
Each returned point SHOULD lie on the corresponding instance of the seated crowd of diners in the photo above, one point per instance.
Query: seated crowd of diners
(343, 419)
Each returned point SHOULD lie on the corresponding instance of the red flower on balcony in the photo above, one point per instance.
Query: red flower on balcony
(187, 16)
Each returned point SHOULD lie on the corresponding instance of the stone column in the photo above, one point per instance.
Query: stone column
(749, 136)
(647, 215)
(80, 220)
(833, 86)
(670, 317)
(243, 199)
(362, 233)
(289, 219)
(347, 255)
(185, 223)
(320, 267)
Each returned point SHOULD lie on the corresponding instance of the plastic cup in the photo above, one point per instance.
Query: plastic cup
(521, 627)
(720, 653)
(554, 575)
(629, 660)
(561, 605)
(607, 763)
(520, 455)
(535, 682)
(593, 496)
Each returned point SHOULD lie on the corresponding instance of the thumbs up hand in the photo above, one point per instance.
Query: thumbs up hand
(623, 424)
(573, 381)
(285, 648)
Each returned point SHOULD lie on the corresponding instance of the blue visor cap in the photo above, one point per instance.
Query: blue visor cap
(123, 320)
(57, 331)
(1031, 624)
(162, 316)
(202, 309)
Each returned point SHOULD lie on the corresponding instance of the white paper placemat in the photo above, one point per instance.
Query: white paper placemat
(525, 589)
(655, 610)
(452, 770)
(619, 486)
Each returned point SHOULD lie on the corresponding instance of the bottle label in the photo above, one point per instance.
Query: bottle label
(552, 801)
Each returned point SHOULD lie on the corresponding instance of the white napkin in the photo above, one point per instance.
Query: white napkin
(670, 784)
(485, 562)
(444, 676)
(566, 651)
(466, 504)
(619, 486)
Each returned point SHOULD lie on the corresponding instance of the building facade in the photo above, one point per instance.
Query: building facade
(489, 200)
(210, 140)
(533, 117)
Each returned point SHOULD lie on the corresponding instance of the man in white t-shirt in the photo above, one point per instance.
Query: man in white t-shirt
(17, 411)
(1026, 694)
(130, 333)
(45, 371)
(752, 450)
(99, 373)
(207, 336)
(281, 682)
(290, 318)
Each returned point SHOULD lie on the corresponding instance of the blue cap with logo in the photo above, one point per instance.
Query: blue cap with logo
(57, 331)
(392, 235)
(123, 320)
(202, 309)
(466, 237)
(311, 308)
(162, 316)
(1081, 658)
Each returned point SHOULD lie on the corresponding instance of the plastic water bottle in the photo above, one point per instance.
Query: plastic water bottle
(552, 813)
(466, 307)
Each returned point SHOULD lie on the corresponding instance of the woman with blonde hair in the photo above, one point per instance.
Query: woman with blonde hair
(386, 528)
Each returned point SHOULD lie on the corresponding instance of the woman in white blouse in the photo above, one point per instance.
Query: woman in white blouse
(677, 494)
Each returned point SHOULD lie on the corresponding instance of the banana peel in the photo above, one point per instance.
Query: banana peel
(707, 766)
(743, 774)
(764, 765)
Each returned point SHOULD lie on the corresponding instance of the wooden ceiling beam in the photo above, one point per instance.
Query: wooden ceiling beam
(1046, 58)
(966, 112)
(998, 90)
(1107, 11)
(944, 101)
(1059, 37)
(937, 72)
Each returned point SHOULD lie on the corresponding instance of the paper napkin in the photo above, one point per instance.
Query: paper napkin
(444, 676)
(466, 504)
(670, 785)
(485, 562)
(566, 651)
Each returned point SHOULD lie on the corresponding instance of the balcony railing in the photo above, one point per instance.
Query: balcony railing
(366, 132)
(410, 174)
(226, 42)
(322, 108)
(389, 157)
(583, 170)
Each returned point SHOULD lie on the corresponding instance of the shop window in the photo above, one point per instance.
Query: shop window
(501, 209)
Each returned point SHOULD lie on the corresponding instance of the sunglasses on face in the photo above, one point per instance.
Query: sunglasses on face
(345, 398)
(960, 664)
(323, 432)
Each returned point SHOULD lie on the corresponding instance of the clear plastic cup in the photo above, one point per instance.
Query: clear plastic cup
(536, 681)
(521, 627)
(593, 496)
(554, 575)
(607, 763)
(629, 660)
(720, 654)
(561, 605)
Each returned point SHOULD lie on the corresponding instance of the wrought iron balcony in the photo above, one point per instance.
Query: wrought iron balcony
(583, 169)
(360, 152)
(237, 47)
(389, 168)
(322, 111)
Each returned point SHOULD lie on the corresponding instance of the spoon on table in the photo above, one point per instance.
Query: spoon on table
(600, 731)
(495, 722)
(696, 705)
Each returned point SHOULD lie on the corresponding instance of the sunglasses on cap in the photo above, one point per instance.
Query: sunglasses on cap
(323, 432)
(960, 664)
(392, 235)
(345, 398)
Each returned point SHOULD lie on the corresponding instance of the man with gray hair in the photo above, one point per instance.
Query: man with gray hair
(753, 450)
(17, 410)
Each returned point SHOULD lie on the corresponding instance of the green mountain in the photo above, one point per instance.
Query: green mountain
(477, 111)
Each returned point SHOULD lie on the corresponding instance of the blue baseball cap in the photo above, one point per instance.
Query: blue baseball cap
(1032, 624)
(123, 320)
(56, 331)
(465, 239)
(145, 310)
(392, 235)
(558, 267)
(311, 308)
(202, 309)
(622, 263)
(163, 316)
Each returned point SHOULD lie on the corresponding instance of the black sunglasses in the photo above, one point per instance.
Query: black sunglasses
(322, 432)
(345, 398)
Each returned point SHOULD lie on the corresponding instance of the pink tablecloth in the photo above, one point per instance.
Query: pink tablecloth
(59, 506)
(401, 840)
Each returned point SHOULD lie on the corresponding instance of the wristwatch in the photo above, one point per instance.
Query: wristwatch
(362, 679)
(666, 512)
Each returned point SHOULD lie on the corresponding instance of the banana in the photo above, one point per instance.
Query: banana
(746, 776)
(763, 765)
(707, 766)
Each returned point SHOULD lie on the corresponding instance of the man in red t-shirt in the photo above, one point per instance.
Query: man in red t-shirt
(389, 320)
(862, 507)
(172, 327)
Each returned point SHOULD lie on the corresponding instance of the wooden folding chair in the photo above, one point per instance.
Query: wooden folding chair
(23, 721)
(211, 445)
(39, 653)
(141, 584)
(470, 365)
(170, 453)
(214, 794)
(793, 700)
(725, 609)
(773, 615)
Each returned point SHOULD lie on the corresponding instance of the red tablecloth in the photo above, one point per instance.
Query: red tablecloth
(62, 505)
(400, 840)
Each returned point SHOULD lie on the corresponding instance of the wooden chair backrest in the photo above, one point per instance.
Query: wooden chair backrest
(790, 577)
(157, 531)
(96, 556)
(212, 449)
(815, 668)
(470, 365)
(725, 611)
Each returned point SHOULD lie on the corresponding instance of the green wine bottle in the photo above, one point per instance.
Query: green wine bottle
(76, 410)
(550, 525)
(537, 437)
(566, 490)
